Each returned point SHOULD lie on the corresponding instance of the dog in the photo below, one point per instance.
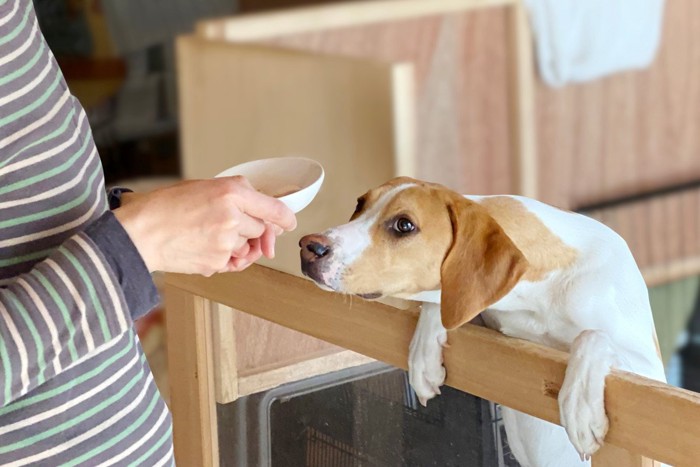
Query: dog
(529, 270)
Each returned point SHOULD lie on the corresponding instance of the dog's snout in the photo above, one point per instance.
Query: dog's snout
(319, 245)
(318, 249)
(315, 254)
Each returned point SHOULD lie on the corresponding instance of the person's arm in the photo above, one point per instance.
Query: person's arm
(62, 310)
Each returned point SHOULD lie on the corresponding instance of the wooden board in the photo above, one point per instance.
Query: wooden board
(523, 137)
(334, 16)
(630, 132)
(462, 115)
(263, 345)
(462, 91)
(240, 103)
(263, 379)
(646, 417)
(191, 374)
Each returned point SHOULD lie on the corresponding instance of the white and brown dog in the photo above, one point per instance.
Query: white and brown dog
(531, 270)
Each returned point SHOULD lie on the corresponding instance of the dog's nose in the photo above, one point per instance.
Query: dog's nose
(319, 245)
(318, 249)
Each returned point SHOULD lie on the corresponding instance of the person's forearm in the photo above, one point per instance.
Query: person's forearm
(128, 266)
(57, 313)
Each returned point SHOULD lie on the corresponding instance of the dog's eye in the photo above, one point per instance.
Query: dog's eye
(403, 225)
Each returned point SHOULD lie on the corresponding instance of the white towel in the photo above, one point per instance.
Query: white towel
(580, 40)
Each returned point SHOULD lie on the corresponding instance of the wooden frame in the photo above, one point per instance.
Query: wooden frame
(648, 420)
(265, 26)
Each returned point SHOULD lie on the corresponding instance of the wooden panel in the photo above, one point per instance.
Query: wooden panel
(629, 132)
(250, 354)
(338, 15)
(262, 345)
(225, 353)
(461, 87)
(240, 103)
(263, 379)
(191, 374)
(647, 417)
(522, 95)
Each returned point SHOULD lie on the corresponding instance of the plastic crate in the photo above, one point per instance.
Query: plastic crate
(361, 417)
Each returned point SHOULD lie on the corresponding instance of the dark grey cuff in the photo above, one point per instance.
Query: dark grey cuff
(127, 264)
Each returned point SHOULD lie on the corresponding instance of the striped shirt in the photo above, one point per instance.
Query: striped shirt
(75, 387)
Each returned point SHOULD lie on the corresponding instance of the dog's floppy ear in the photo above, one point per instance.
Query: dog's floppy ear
(482, 265)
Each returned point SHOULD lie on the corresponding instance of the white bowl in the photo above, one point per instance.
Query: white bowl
(293, 180)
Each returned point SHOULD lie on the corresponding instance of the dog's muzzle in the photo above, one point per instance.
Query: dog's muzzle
(315, 251)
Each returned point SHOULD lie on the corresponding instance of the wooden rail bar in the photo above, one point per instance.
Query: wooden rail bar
(646, 417)
(315, 18)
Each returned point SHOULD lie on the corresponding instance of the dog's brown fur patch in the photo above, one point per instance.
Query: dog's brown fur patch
(545, 252)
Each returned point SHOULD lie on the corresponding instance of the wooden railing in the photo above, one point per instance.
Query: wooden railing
(648, 420)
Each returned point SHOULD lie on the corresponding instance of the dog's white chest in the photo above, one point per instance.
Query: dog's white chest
(529, 326)
(532, 312)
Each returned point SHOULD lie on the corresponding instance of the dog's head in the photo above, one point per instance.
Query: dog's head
(407, 237)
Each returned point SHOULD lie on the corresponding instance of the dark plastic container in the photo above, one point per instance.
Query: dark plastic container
(366, 416)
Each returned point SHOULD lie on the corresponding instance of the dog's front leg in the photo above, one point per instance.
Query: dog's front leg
(581, 399)
(425, 369)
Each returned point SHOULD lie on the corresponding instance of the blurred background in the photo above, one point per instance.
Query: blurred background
(616, 115)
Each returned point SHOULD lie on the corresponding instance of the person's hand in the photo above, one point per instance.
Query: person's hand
(204, 226)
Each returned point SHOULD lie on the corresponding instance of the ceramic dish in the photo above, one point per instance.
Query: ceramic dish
(293, 180)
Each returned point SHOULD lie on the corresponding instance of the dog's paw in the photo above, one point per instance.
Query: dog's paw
(583, 416)
(425, 370)
(581, 399)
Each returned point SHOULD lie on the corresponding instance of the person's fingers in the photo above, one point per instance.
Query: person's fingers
(242, 251)
(249, 227)
(240, 243)
(267, 242)
(263, 207)
(239, 264)
(255, 251)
